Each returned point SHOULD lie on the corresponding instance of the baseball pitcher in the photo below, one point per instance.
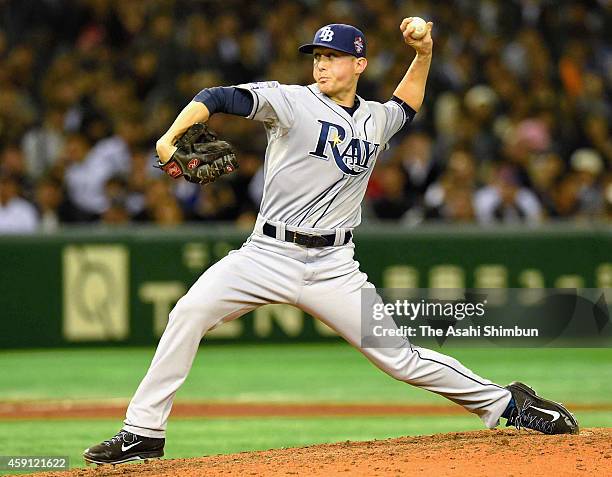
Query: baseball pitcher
(323, 143)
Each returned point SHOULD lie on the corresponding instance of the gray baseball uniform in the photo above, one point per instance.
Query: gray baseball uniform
(318, 162)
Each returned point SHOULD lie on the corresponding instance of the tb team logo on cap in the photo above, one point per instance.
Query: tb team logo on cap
(326, 34)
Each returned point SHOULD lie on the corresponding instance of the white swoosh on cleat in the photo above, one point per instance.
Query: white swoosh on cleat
(554, 414)
(124, 447)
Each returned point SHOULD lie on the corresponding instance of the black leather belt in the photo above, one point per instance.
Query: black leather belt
(306, 240)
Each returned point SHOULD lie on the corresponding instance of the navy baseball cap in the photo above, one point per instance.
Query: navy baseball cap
(338, 36)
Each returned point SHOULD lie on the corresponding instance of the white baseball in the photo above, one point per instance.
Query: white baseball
(420, 28)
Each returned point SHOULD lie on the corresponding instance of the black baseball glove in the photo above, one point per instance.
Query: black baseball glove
(200, 157)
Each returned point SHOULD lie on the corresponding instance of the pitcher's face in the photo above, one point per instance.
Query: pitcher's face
(334, 71)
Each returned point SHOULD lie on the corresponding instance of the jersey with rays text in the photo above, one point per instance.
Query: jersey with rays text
(319, 158)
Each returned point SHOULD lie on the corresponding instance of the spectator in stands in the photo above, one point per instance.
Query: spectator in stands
(415, 154)
(168, 214)
(458, 206)
(544, 172)
(451, 196)
(88, 174)
(566, 197)
(393, 203)
(42, 145)
(12, 163)
(160, 205)
(142, 171)
(72, 170)
(216, 202)
(588, 166)
(598, 134)
(52, 208)
(506, 201)
(116, 192)
(480, 107)
(250, 165)
(17, 215)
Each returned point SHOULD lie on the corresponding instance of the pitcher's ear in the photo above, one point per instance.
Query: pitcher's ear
(361, 64)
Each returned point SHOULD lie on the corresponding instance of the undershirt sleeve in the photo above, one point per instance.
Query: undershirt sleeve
(226, 99)
(410, 113)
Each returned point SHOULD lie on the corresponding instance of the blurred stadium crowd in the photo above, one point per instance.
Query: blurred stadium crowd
(514, 129)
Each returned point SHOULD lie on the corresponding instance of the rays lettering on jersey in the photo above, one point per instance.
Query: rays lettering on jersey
(353, 158)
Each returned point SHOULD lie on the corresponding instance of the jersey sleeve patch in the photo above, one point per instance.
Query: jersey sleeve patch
(261, 85)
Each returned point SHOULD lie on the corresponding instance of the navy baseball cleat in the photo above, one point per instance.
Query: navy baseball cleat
(530, 411)
(124, 447)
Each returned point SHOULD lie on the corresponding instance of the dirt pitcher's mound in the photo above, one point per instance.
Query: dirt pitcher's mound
(484, 453)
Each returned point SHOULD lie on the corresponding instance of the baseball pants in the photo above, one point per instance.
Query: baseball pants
(324, 282)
